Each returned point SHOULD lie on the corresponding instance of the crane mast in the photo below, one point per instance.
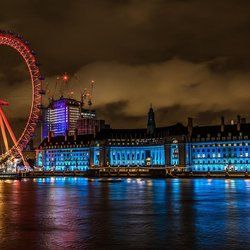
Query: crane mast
(90, 95)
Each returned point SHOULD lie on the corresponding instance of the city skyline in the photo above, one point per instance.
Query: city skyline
(124, 124)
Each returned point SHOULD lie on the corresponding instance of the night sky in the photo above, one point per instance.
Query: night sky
(188, 58)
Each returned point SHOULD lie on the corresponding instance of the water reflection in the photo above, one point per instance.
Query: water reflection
(137, 213)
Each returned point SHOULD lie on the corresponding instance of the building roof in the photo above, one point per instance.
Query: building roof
(215, 131)
(212, 132)
(177, 129)
(55, 103)
(60, 140)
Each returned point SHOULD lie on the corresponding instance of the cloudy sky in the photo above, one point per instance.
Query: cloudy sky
(187, 57)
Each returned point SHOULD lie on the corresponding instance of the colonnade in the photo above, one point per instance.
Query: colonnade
(142, 156)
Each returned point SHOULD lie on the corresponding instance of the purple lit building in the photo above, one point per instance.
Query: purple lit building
(61, 117)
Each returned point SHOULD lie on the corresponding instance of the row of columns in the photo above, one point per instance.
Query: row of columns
(104, 156)
(113, 156)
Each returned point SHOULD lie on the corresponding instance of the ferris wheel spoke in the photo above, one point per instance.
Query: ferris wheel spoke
(7, 124)
(22, 47)
(4, 134)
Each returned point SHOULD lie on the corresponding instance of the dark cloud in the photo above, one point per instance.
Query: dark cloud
(69, 34)
(178, 112)
(115, 114)
(189, 58)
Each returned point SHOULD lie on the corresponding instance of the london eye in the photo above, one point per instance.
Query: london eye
(19, 144)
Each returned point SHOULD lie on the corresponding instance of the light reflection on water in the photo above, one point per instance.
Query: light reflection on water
(65, 212)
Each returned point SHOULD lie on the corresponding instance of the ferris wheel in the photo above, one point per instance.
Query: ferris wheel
(21, 46)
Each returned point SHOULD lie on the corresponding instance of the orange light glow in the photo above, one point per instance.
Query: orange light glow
(65, 77)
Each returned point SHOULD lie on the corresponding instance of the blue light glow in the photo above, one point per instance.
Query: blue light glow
(137, 156)
(220, 156)
(66, 159)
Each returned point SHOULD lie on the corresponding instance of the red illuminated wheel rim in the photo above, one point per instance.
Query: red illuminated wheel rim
(22, 47)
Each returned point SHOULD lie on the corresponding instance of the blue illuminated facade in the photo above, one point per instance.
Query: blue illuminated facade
(174, 154)
(110, 148)
(197, 156)
(64, 153)
(137, 156)
(220, 156)
(69, 159)
(219, 148)
(194, 149)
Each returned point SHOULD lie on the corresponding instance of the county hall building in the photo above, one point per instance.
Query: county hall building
(83, 142)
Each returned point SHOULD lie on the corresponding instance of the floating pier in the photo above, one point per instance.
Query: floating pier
(10, 176)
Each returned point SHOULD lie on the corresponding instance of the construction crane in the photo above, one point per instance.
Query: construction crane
(84, 95)
(90, 94)
(64, 83)
(61, 85)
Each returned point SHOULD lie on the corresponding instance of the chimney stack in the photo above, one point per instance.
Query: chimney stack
(50, 135)
(222, 124)
(190, 125)
(75, 134)
(238, 122)
(66, 135)
(243, 120)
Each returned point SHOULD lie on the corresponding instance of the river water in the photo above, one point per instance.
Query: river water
(74, 213)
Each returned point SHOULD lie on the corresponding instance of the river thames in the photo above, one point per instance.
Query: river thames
(74, 213)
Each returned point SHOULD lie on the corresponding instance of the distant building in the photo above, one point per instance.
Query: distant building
(61, 117)
(86, 124)
(89, 124)
(66, 116)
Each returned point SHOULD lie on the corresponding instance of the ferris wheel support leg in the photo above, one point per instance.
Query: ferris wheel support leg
(12, 135)
(4, 133)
